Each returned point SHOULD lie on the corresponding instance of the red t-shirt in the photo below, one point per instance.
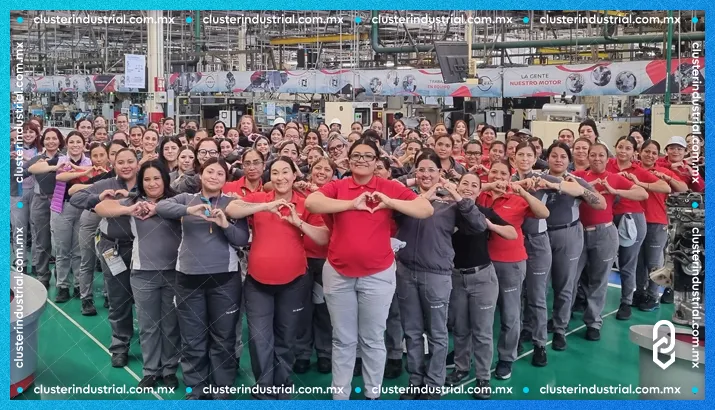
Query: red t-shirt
(359, 240)
(625, 206)
(239, 187)
(654, 206)
(590, 216)
(513, 209)
(695, 184)
(277, 254)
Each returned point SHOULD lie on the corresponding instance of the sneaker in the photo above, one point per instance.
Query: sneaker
(482, 390)
(454, 378)
(325, 365)
(667, 298)
(503, 370)
(450, 360)
(519, 349)
(88, 308)
(649, 304)
(624, 312)
(147, 381)
(550, 326)
(119, 359)
(393, 368)
(77, 292)
(171, 381)
(593, 334)
(638, 298)
(411, 393)
(357, 370)
(559, 342)
(301, 366)
(539, 358)
(63, 295)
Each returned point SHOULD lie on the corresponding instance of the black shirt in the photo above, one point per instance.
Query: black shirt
(471, 251)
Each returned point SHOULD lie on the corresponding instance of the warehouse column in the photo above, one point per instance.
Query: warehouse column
(155, 63)
(242, 48)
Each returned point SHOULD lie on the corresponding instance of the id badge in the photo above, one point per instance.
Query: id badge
(114, 262)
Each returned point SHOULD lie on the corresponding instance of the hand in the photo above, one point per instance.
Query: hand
(313, 188)
(276, 206)
(121, 193)
(200, 210)
(360, 203)
(631, 177)
(344, 162)
(431, 193)
(608, 187)
(149, 209)
(301, 185)
(13, 154)
(452, 189)
(292, 216)
(107, 193)
(218, 217)
(659, 174)
(544, 184)
(383, 201)
(518, 189)
(452, 174)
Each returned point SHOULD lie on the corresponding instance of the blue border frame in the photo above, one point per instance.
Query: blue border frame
(707, 6)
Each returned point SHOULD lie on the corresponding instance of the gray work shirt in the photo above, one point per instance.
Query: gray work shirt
(563, 208)
(156, 242)
(118, 229)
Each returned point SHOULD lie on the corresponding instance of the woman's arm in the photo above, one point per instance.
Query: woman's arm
(238, 209)
(537, 207)
(318, 203)
(505, 231)
(41, 167)
(634, 193)
(70, 175)
(419, 208)
(76, 188)
(113, 209)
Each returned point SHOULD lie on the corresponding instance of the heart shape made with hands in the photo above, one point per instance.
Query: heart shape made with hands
(284, 211)
(372, 200)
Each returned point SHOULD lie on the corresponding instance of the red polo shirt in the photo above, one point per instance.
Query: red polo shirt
(239, 187)
(359, 240)
(694, 184)
(513, 209)
(277, 254)
(654, 206)
(625, 206)
(590, 216)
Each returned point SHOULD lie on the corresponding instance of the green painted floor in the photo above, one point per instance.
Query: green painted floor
(73, 351)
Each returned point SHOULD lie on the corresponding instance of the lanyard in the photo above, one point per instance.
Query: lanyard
(208, 212)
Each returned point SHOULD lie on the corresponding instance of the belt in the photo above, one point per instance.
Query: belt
(560, 227)
(534, 235)
(471, 271)
(594, 227)
(116, 241)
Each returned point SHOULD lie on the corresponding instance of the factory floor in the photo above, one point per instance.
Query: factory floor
(73, 351)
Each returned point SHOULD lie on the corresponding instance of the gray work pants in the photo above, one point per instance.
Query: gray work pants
(474, 298)
(394, 333)
(119, 293)
(628, 258)
(358, 310)
(599, 251)
(207, 316)
(566, 248)
(42, 239)
(88, 223)
(650, 258)
(238, 348)
(273, 313)
(538, 264)
(510, 276)
(315, 311)
(65, 228)
(158, 325)
(424, 300)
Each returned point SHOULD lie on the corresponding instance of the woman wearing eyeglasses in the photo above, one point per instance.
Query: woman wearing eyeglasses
(337, 151)
(208, 282)
(359, 277)
(206, 149)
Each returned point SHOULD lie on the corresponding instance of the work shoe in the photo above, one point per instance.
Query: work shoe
(638, 298)
(624, 312)
(63, 295)
(649, 304)
(325, 365)
(147, 381)
(559, 342)
(411, 393)
(539, 358)
(482, 390)
(119, 359)
(503, 370)
(455, 378)
(77, 292)
(88, 308)
(301, 366)
(593, 334)
(667, 298)
(393, 368)
(450, 360)
(171, 381)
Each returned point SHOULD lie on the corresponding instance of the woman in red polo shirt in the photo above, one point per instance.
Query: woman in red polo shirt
(359, 278)
(275, 284)
(677, 159)
(656, 218)
(628, 256)
(320, 333)
(497, 151)
(513, 204)
(600, 235)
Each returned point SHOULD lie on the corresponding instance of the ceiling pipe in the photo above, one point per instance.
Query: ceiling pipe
(565, 42)
(668, 55)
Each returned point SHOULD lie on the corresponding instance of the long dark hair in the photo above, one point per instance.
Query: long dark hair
(165, 141)
(163, 171)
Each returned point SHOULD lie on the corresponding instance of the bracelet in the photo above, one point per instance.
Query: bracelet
(300, 226)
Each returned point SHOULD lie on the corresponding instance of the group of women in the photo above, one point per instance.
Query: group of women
(343, 246)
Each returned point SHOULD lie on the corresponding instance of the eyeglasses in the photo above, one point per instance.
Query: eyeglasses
(427, 170)
(362, 157)
(473, 153)
(254, 164)
(212, 153)
(336, 148)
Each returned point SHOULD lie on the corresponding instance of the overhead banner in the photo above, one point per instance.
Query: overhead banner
(371, 82)
(628, 78)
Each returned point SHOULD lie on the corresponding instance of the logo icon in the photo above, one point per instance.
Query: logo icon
(667, 339)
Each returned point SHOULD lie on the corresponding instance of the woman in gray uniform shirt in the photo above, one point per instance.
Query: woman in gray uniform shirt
(565, 233)
(154, 254)
(114, 249)
(208, 282)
